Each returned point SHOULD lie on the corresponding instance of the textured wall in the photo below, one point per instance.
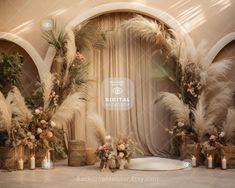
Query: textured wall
(210, 20)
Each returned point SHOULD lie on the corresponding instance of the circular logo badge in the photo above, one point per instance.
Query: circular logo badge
(117, 90)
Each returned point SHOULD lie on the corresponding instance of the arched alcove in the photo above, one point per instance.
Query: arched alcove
(220, 45)
(30, 73)
(135, 7)
(228, 52)
(128, 57)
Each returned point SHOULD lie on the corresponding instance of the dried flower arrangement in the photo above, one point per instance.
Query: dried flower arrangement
(113, 153)
(200, 108)
(58, 96)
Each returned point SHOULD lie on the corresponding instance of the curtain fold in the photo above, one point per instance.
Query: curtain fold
(129, 57)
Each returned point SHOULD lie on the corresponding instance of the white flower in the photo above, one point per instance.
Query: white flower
(29, 134)
(30, 145)
(222, 134)
(37, 111)
(32, 137)
(121, 154)
(212, 137)
(53, 124)
(43, 121)
(101, 147)
(49, 134)
(122, 147)
(39, 130)
(180, 124)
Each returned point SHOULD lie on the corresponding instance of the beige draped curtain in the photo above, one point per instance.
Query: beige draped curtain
(128, 57)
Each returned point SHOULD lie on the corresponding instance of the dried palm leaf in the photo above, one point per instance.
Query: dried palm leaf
(64, 115)
(71, 47)
(89, 35)
(96, 122)
(5, 114)
(178, 109)
(18, 107)
(70, 55)
(47, 87)
(55, 36)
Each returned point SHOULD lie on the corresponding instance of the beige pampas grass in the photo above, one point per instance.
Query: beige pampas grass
(218, 105)
(47, 87)
(212, 108)
(200, 122)
(64, 115)
(18, 107)
(95, 121)
(199, 57)
(5, 114)
(178, 109)
(149, 30)
(218, 70)
(229, 126)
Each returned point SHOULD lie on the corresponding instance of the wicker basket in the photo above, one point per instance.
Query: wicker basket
(229, 152)
(76, 153)
(90, 156)
(10, 155)
(189, 150)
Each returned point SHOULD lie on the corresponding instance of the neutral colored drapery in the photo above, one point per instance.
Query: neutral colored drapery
(126, 56)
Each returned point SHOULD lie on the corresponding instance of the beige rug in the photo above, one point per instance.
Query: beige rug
(157, 163)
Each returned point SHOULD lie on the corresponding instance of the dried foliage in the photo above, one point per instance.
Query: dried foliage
(64, 114)
(20, 112)
(96, 122)
(205, 95)
(5, 113)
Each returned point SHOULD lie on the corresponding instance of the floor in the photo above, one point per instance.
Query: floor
(63, 176)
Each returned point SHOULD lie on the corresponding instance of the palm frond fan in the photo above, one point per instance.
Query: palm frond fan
(89, 35)
(55, 36)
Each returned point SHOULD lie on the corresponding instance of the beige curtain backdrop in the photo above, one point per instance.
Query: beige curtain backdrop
(131, 58)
